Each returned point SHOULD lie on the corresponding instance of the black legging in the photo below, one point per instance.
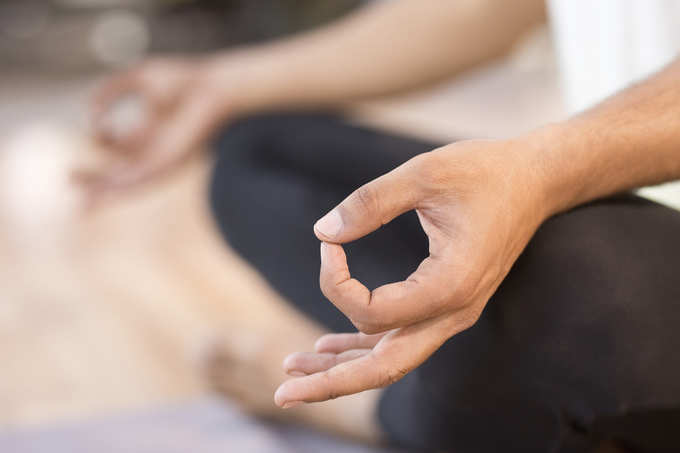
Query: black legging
(579, 343)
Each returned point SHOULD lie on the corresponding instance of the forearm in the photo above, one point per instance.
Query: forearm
(386, 48)
(628, 141)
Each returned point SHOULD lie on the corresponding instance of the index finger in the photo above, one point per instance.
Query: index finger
(421, 296)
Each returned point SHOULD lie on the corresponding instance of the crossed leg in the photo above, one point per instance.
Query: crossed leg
(579, 337)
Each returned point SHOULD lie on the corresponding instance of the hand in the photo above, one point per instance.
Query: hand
(182, 103)
(479, 202)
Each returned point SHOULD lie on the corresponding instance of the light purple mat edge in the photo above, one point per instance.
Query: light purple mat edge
(206, 426)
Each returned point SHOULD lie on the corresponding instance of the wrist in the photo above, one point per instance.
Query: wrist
(247, 79)
(228, 77)
(559, 169)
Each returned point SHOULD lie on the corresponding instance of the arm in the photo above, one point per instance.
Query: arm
(385, 48)
(388, 47)
(628, 141)
(479, 202)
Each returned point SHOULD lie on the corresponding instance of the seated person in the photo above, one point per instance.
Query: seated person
(539, 310)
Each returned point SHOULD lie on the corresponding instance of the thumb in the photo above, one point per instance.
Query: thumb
(369, 207)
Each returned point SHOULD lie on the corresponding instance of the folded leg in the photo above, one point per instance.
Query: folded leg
(277, 174)
(578, 344)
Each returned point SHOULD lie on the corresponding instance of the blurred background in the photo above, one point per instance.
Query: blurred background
(102, 315)
(52, 45)
(67, 36)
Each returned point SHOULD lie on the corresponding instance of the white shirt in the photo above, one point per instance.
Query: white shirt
(604, 45)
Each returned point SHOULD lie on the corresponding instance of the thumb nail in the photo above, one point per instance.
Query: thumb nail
(291, 404)
(329, 225)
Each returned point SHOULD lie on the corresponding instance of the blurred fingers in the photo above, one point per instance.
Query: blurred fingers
(187, 126)
(110, 92)
(166, 146)
(115, 177)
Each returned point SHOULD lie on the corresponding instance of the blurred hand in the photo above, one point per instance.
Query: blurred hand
(479, 202)
(181, 104)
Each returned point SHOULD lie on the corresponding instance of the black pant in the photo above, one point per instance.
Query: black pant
(579, 343)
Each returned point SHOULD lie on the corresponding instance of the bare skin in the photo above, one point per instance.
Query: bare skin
(479, 204)
(479, 201)
(245, 365)
(185, 99)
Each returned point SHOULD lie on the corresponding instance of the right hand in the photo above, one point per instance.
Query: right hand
(479, 203)
(183, 103)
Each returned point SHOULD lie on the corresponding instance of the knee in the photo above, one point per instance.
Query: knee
(596, 286)
(599, 259)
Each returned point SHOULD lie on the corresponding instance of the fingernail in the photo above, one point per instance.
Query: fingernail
(291, 404)
(296, 373)
(329, 225)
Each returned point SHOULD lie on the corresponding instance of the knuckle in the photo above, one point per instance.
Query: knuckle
(425, 162)
(393, 375)
(331, 393)
(328, 289)
(366, 199)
